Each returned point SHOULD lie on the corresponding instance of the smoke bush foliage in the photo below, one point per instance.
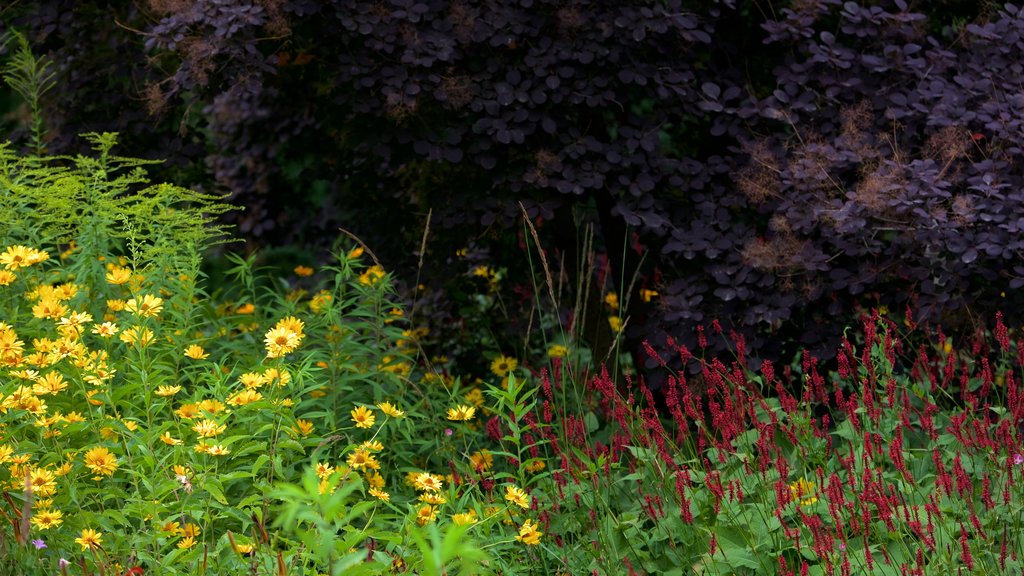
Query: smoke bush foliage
(776, 166)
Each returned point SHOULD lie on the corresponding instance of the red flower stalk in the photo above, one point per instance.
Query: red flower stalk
(1002, 336)
(965, 549)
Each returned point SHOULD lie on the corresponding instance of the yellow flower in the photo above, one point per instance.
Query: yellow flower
(208, 428)
(303, 427)
(323, 470)
(134, 335)
(461, 413)
(45, 519)
(354, 253)
(115, 305)
(281, 376)
(303, 271)
(320, 301)
(390, 409)
(516, 496)
(432, 499)
(529, 534)
(612, 300)
(90, 539)
(475, 397)
(6, 277)
(165, 391)
(426, 514)
(245, 309)
(211, 406)
(372, 445)
(100, 461)
(535, 466)
(502, 365)
(481, 461)
(374, 479)
(148, 307)
(558, 351)
(464, 518)
(372, 275)
(647, 295)
(244, 548)
(363, 417)
(252, 380)
(362, 459)
(615, 323)
(245, 397)
(166, 438)
(187, 411)
(218, 450)
(49, 308)
(43, 482)
(105, 330)
(428, 482)
(186, 543)
(50, 383)
(380, 494)
(18, 256)
(803, 491)
(196, 352)
(118, 274)
(281, 341)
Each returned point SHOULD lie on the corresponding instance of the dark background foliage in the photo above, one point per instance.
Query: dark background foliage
(774, 165)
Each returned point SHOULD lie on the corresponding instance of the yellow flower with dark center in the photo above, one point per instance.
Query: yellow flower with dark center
(90, 539)
(196, 352)
(280, 341)
(426, 514)
(502, 365)
(529, 534)
(100, 461)
(516, 496)
(461, 413)
(324, 470)
(46, 518)
(428, 482)
(147, 307)
(105, 330)
(362, 459)
(212, 406)
(390, 409)
(43, 482)
(363, 417)
(49, 308)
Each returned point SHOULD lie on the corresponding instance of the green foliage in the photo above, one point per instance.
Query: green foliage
(31, 78)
